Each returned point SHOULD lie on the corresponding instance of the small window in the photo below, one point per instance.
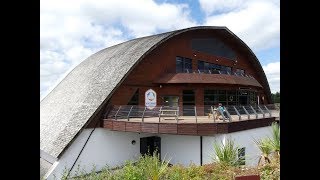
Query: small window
(183, 65)
(134, 99)
(241, 155)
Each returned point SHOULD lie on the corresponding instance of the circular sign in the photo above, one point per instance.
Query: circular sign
(150, 99)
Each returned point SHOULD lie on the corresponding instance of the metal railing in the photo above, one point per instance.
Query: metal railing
(189, 113)
(198, 71)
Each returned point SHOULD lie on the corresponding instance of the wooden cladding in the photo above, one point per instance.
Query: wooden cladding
(201, 129)
(207, 79)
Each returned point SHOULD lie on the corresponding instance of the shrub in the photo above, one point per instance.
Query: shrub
(226, 154)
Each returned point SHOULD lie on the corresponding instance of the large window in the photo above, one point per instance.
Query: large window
(183, 65)
(229, 97)
(213, 46)
(213, 68)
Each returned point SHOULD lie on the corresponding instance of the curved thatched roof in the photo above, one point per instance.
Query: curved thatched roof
(69, 107)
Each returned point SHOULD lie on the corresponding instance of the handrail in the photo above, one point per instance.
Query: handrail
(143, 113)
(268, 110)
(237, 112)
(230, 118)
(128, 116)
(254, 111)
(196, 114)
(261, 111)
(117, 113)
(246, 112)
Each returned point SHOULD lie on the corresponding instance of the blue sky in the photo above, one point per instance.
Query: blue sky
(72, 30)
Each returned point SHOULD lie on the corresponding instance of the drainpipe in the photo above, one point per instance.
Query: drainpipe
(201, 150)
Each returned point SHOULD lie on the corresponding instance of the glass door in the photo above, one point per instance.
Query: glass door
(188, 102)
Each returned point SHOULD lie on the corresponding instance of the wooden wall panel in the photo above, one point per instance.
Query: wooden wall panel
(168, 128)
(187, 129)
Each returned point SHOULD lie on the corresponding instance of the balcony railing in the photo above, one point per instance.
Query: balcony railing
(198, 71)
(194, 114)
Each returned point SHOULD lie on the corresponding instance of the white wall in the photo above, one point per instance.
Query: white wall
(181, 149)
(242, 139)
(104, 147)
(113, 148)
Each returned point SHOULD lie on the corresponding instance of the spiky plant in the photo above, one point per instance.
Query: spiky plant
(275, 139)
(153, 167)
(226, 154)
(264, 146)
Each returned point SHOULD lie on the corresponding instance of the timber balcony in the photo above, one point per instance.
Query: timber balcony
(189, 120)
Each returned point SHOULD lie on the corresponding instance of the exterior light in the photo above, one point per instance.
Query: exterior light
(160, 86)
(133, 142)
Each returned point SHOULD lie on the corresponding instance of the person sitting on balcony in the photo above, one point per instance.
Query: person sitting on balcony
(221, 111)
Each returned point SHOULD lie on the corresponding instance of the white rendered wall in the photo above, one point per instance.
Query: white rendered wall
(181, 149)
(104, 147)
(242, 139)
(113, 148)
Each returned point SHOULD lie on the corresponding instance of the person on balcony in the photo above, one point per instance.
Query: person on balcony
(221, 111)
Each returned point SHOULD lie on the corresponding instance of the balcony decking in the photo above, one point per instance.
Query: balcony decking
(190, 125)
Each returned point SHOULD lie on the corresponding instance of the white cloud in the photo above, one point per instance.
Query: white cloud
(215, 6)
(272, 71)
(72, 30)
(257, 23)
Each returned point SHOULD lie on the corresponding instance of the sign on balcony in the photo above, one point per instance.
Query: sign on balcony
(150, 99)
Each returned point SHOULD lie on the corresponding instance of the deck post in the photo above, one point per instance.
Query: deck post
(143, 113)
(128, 116)
(246, 112)
(268, 110)
(117, 113)
(214, 118)
(237, 112)
(261, 111)
(254, 111)
(195, 113)
(160, 113)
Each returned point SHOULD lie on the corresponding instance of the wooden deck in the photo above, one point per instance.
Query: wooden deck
(187, 125)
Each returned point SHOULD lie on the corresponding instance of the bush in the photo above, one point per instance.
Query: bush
(226, 154)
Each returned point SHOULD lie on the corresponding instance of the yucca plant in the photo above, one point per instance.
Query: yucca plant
(270, 145)
(226, 154)
(264, 146)
(153, 167)
(275, 139)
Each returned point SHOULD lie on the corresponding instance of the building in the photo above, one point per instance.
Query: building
(161, 92)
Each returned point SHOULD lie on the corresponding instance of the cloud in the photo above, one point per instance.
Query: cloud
(257, 23)
(72, 30)
(272, 71)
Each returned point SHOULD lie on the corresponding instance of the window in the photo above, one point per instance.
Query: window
(213, 68)
(171, 101)
(213, 46)
(241, 156)
(183, 64)
(135, 98)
